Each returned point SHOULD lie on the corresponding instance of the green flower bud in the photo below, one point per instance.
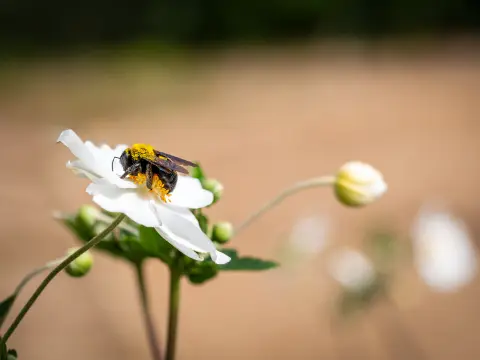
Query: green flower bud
(222, 232)
(88, 215)
(12, 354)
(197, 172)
(215, 187)
(358, 184)
(81, 265)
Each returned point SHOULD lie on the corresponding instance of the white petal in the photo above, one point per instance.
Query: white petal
(185, 228)
(126, 201)
(178, 242)
(218, 257)
(188, 231)
(222, 258)
(190, 194)
(105, 160)
(80, 169)
(93, 162)
(71, 140)
(186, 248)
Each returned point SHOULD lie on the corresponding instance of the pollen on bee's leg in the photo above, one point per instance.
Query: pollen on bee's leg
(138, 179)
(159, 189)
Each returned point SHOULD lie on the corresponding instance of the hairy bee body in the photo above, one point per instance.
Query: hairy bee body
(144, 159)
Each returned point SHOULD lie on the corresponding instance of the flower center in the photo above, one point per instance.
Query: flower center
(158, 188)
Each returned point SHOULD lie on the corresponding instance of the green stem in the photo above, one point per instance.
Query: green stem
(315, 182)
(147, 316)
(174, 303)
(54, 273)
(29, 277)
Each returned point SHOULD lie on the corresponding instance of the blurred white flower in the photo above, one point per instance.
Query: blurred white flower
(444, 255)
(307, 238)
(173, 221)
(309, 235)
(359, 184)
(352, 269)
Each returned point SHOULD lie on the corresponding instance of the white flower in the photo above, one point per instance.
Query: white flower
(444, 256)
(173, 221)
(359, 184)
(309, 235)
(351, 269)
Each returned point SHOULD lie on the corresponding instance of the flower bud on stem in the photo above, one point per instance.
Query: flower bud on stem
(303, 185)
(80, 266)
(54, 273)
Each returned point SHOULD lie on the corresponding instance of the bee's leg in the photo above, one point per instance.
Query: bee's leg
(149, 181)
(132, 170)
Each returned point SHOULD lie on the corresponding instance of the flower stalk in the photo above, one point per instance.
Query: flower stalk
(94, 241)
(31, 275)
(147, 316)
(173, 306)
(303, 185)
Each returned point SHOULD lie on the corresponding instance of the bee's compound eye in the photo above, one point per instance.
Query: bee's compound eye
(124, 160)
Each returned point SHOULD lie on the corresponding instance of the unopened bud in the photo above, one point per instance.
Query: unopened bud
(359, 184)
(88, 215)
(197, 172)
(81, 265)
(222, 232)
(215, 187)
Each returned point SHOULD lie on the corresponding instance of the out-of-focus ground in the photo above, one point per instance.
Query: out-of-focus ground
(258, 122)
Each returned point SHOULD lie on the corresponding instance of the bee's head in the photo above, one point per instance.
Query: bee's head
(125, 160)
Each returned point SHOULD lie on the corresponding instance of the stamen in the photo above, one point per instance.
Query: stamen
(158, 187)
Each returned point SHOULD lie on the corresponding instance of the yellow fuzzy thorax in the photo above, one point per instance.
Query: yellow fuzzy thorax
(141, 151)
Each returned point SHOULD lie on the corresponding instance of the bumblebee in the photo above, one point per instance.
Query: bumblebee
(144, 159)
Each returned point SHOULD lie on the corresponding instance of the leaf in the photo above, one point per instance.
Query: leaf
(202, 221)
(122, 243)
(154, 245)
(78, 227)
(5, 307)
(130, 248)
(197, 172)
(245, 263)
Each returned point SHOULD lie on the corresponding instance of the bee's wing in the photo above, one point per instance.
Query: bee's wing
(169, 165)
(175, 159)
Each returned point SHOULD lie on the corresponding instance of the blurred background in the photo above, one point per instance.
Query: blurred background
(263, 94)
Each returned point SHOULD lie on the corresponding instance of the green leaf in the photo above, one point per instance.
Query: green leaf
(122, 243)
(131, 248)
(197, 172)
(202, 221)
(5, 307)
(245, 263)
(154, 245)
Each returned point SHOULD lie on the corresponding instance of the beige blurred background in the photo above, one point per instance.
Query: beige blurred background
(258, 120)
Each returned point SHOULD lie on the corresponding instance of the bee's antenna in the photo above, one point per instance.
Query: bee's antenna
(116, 157)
